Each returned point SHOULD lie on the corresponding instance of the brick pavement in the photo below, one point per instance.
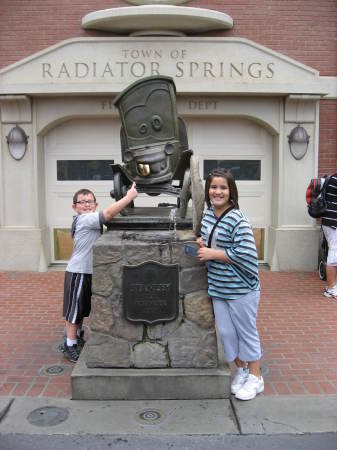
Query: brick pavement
(297, 324)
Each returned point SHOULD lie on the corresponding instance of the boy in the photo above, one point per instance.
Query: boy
(86, 228)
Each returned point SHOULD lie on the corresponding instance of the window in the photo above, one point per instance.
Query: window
(241, 169)
(73, 170)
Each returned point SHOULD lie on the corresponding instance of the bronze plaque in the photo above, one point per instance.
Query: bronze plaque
(151, 292)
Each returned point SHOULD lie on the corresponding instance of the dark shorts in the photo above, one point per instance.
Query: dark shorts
(77, 296)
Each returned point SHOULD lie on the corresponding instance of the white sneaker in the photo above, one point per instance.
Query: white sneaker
(251, 388)
(330, 293)
(239, 379)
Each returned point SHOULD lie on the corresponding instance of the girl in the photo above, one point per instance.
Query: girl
(227, 246)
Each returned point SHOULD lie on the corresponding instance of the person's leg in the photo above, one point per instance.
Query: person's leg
(254, 368)
(229, 339)
(228, 335)
(244, 314)
(70, 347)
(240, 363)
(80, 335)
(73, 288)
(71, 330)
(331, 276)
(331, 266)
(84, 307)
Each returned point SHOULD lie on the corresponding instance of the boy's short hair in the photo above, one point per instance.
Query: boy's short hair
(83, 192)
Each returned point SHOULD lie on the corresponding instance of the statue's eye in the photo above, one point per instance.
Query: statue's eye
(157, 122)
(143, 128)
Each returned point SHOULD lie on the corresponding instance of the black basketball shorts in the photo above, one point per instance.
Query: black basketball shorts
(77, 296)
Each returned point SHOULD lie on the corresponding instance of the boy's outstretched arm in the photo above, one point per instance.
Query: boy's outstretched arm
(116, 207)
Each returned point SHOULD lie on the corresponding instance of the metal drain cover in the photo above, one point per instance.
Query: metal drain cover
(55, 370)
(48, 416)
(150, 416)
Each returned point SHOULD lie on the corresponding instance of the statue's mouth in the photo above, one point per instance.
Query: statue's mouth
(150, 163)
(155, 168)
(151, 160)
(144, 169)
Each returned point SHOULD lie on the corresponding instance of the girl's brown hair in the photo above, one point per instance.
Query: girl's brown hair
(233, 190)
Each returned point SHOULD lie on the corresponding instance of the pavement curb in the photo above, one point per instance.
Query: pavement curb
(265, 415)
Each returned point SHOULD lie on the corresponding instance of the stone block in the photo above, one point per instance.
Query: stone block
(185, 235)
(165, 253)
(207, 355)
(191, 346)
(150, 355)
(106, 254)
(115, 271)
(161, 331)
(101, 318)
(137, 253)
(107, 351)
(121, 327)
(102, 283)
(148, 384)
(192, 279)
(199, 309)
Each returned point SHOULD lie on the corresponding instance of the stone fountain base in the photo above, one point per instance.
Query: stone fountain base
(149, 384)
(173, 359)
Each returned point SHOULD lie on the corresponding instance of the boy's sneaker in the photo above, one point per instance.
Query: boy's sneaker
(239, 379)
(251, 388)
(330, 293)
(61, 347)
(71, 352)
(80, 340)
(80, 345)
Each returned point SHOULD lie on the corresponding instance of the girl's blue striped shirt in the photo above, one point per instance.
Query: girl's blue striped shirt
(234, 235)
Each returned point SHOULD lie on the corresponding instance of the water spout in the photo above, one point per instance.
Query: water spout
(173, 221)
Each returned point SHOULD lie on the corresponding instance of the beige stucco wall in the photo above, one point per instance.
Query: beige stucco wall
(268, 88)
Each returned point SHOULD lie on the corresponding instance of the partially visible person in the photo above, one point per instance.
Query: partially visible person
(329, 226)
(233, 281)
(86, 228)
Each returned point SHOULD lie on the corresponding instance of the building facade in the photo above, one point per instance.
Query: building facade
(247, 73)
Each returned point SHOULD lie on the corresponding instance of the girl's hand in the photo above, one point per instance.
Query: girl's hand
(200, 242)
(205, 253)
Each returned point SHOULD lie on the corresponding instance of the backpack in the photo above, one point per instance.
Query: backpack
(315, 196)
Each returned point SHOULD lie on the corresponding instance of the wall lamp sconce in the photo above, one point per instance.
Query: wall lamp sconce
(298, 140)
(17, 141)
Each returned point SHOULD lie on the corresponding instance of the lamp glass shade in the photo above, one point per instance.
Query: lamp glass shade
(298, 149)
(17, 142)
(298, 141)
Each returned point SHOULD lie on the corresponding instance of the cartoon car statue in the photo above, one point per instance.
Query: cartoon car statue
(154, 146)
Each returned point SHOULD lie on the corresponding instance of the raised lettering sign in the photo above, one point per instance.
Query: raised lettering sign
(177, 63)
(151, 292)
